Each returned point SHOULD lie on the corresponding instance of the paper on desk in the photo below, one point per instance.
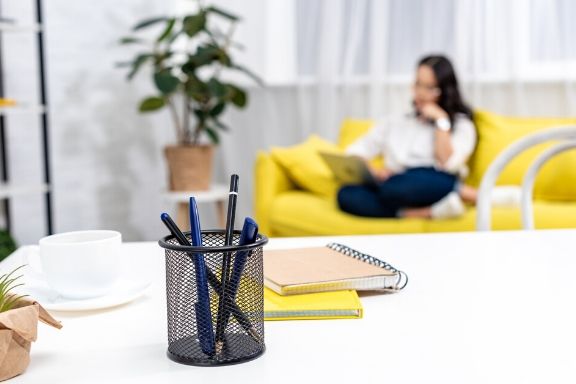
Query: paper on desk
(18, 329)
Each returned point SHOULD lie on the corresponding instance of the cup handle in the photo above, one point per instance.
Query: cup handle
(33, 262)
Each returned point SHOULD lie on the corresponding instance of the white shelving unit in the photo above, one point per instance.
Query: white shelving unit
(8, 189)
(10, 27)
(22, 110)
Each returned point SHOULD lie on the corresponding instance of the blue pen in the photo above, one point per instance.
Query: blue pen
(203, 314)
(204, 328)
(247, 236)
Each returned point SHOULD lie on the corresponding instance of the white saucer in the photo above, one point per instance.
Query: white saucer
(124, 291)
(131, 284)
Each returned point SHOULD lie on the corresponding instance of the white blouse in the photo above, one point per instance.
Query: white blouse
(406, 142)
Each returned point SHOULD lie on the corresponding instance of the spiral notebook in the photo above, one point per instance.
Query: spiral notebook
(312, 306)
(331, 268)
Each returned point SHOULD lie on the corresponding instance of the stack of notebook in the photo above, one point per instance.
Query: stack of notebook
(321, 282)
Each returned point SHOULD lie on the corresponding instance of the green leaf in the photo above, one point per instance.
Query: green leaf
(136, 64)
(213, 135)
(218, 109)
(216, 88)
(224, 58)
(173, 37)
(238, 96)
(200, 114)
(200, 96)
(189, 67)
(166, 82)
(194, 24)
(167, 30)
(11, 302)
(196, 88)
(130, 40)
(204, 55)
(148, 22)
(150, 104)
(247, 72)
(222, 13)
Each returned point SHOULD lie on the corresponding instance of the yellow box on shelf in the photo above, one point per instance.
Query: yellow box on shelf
(4, 102)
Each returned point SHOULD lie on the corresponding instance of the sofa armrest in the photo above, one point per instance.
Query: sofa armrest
(270, 179)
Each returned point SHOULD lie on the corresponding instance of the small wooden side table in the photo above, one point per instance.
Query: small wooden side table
(218, 194)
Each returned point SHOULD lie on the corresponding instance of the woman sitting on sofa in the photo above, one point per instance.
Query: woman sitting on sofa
(425, 153)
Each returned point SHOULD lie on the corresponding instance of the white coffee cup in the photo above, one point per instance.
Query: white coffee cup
(82, 264)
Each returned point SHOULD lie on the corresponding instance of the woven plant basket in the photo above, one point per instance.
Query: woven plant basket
(190, 166)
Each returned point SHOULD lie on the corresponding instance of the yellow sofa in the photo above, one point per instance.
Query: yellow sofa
(295, 192)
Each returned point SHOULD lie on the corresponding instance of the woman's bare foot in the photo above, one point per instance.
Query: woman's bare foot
(420, 213)
(468, 194)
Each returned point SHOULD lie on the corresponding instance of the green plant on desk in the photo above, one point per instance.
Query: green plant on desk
(188, 58)
(8, 282)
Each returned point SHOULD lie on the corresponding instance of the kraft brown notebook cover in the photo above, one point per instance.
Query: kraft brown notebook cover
(330, 268)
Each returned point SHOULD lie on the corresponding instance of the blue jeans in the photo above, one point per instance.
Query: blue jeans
(416, 187)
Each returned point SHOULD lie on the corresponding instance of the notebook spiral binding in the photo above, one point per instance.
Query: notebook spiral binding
(402, 280)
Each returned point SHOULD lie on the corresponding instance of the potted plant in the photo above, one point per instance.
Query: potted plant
(18, 326)
(188, 58)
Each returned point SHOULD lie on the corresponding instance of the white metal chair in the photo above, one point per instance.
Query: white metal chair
(566, 136)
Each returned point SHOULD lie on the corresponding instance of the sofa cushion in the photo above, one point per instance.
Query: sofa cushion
(299, 213)
(555, 181)
(305, 166)
(351, 130)
(547, 215)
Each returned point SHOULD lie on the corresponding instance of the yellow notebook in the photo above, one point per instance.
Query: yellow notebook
(322, 305)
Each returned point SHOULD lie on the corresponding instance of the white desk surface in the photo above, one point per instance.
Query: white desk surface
(492, 307)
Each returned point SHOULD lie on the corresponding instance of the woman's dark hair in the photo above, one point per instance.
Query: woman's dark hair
(450, 98)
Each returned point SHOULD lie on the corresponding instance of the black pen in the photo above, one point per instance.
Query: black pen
(212, 279)
(222, 303)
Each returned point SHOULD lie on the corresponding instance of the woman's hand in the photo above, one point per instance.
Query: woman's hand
(442, 139)
(432, 111)
(381, 174)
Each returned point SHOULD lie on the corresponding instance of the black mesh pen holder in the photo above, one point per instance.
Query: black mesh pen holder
(193, 336)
